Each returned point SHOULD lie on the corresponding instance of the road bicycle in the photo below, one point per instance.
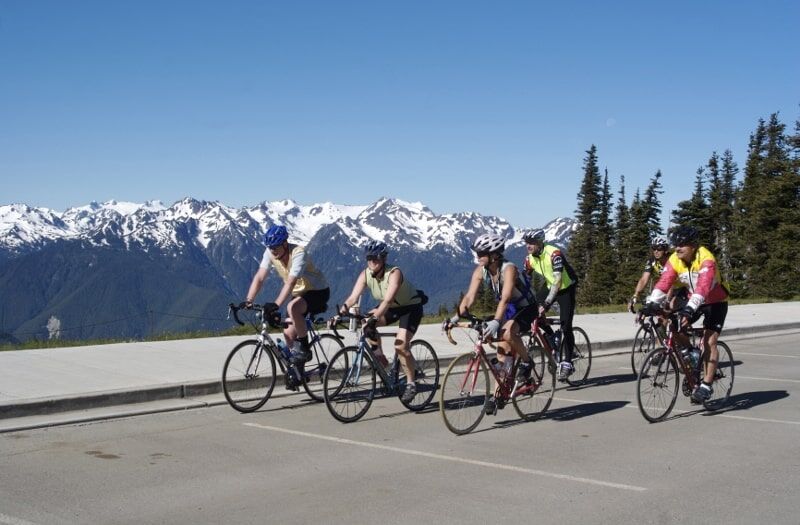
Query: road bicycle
(350, 383)
(249, 373)
(659, 376)
(581, 351)
(465, 387)
(648, 336)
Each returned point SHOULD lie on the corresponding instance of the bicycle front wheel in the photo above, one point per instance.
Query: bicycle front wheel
(426, 375)
(657, 385)
(723, 379)
(323, 349)
(643, 343)
(465, 390)
(581, 357)
(248, 376)
(349, 384)
(531, 401)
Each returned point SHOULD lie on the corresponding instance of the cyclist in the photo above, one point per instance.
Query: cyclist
(695, 266)
(654, 266)
(549, 262)
(400, 302)
(301, 280)
(516, 304)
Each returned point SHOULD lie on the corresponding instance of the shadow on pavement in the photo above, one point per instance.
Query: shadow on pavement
(563, 414)
(603, 381)
(748, 400)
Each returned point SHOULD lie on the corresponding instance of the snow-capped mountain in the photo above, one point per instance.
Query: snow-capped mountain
(189, 259)
(400, 224)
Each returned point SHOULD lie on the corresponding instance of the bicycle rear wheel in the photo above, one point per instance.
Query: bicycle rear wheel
(537, 353)
(248, 376)
(465, 389)
(643, 343)
(426, 372)
(657, 385)
(532, 401)
(323, 351)
(723, 379)
(349, 384)
(581, 357)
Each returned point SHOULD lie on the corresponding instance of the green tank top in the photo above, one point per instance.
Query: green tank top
(406, 295)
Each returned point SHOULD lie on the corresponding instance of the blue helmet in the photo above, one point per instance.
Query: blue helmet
(275, 236)
(375, 248)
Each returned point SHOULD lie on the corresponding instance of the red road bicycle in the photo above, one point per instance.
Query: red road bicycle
(465, 387)
(659, 375)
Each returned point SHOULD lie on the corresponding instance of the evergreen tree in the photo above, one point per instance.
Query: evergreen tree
(695, 212)
(723, 210)
(767, 215)
(630, 258)
(582, 244)
(651, 205)
(600, 279)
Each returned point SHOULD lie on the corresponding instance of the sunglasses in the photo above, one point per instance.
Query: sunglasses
(373, 258)
(483, 254)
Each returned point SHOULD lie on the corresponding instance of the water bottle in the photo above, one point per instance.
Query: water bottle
(284, 350)
(498, 368)
(694, 355)
(557, 340)
(507, 365)
(354, 310)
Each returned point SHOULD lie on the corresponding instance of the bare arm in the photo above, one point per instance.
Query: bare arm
(255, 285)
(472, 293)
(358, 289)
(641, 284)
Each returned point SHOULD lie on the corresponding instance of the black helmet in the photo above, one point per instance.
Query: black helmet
(375, 248)
(532, 236)
(683, 236)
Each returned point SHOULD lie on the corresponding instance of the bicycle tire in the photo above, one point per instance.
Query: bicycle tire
(723, 379)
(537, 353)
(533, 403)
(462, 410)
(643, 343)
(248, 376)
(349, 384)
(654, 393)
(426, 375)
(323, 349)
(581, 357)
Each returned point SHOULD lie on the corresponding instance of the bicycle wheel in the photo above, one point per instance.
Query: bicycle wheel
(657, 385)
(643, 343)
(537, 353)
(248, 376)
(465, 390)
(349, 384)
(323, 350)
(723, 379)
(426, 372)
(532, 401)
(581, 357)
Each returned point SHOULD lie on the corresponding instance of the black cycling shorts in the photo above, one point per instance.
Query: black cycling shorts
(316, 300)
(409, 316)
(713, 316)
(524, 318)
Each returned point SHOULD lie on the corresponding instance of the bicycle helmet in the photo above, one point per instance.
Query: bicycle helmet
(532, 236)
(659, 242)
(275, 236)
(489, 242)
(376, 249)
(683, 236)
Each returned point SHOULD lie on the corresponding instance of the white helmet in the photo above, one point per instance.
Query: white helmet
(489, 242)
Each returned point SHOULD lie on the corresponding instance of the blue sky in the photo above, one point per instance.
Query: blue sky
(464, 106)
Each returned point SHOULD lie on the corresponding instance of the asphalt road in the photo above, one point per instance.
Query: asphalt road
(593, 459)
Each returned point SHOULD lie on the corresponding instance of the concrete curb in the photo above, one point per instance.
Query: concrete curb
(190, 391)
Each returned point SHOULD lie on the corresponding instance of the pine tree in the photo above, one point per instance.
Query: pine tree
(600, 279)
(651, 205)
(582, 244)
(694, 212)
(631, 249)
